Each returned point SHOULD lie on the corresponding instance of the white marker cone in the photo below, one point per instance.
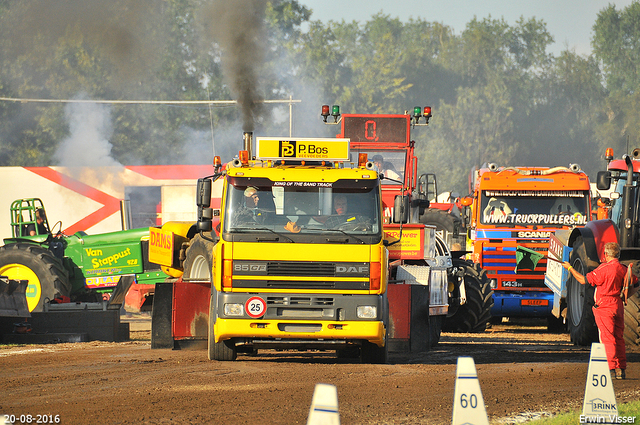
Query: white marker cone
(324, 406)
(599, 398)
(468, 404)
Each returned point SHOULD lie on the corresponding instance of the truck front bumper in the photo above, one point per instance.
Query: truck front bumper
(306, 317)
(298, 332)
(531, 304)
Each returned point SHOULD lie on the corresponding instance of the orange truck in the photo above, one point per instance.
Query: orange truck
(523, 206)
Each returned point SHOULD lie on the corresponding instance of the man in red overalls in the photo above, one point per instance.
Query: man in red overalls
(609, 280)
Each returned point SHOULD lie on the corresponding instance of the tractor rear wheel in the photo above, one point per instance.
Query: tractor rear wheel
(632, 321)
(48, 279)
(473, 315)
(580, 320)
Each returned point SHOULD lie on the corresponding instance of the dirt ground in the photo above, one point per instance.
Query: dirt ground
(524, 373)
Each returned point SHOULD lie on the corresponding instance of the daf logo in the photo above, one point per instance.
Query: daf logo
(352, 269)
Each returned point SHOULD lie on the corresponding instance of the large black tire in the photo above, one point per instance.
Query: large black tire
(222, 350)
(580, 321)
(48, 279)
(632, 321)
(371, 353)
(446, 223)
(473, 315)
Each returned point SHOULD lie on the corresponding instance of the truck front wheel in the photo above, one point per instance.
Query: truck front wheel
(371, 353)
(580, 320)
(222, 350)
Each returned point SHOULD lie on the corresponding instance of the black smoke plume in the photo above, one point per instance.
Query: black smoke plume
(238, 26)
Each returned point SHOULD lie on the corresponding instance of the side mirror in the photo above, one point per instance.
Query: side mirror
(204, 223)
(466, 201)
(603, 180)
(203, 193)
(401, 209)
(203, 201)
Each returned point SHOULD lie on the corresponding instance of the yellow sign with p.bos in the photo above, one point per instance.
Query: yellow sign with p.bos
(302, 149)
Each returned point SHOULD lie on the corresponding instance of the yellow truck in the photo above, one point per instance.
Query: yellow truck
(293, 258)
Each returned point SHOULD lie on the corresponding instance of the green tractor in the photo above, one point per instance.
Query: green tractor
(76, 268)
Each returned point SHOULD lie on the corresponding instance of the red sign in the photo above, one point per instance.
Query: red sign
(255, 307)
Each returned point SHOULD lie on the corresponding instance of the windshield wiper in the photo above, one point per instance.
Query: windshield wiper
(247, 230)
(338, 230)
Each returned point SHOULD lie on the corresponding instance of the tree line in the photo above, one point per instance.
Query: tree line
(497, 93)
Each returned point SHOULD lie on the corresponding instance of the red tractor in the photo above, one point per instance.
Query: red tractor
(623, 226)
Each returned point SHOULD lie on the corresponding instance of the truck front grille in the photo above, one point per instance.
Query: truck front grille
(295, 268)
(298, 300)
(499, 259)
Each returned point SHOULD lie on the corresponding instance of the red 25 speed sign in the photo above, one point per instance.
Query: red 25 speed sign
(255, 307)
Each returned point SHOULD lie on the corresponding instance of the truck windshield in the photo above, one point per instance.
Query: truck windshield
(528, 208)
(303, 208)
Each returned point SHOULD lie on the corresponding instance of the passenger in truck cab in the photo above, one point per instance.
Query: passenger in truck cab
(342, 217)
(340, 204)
(386, 168)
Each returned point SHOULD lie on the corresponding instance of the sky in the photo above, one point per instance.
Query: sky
(570, 22)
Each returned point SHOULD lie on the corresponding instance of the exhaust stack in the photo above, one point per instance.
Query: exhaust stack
(125, 214)
(247, 138)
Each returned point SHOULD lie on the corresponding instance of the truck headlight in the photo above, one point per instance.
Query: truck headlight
(233, 310)
(367, 312)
